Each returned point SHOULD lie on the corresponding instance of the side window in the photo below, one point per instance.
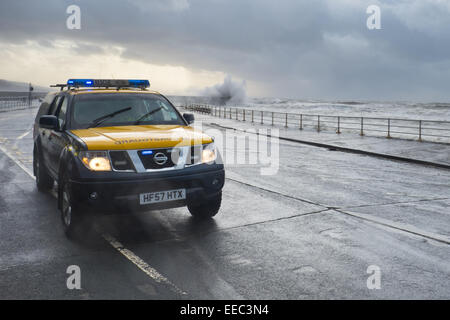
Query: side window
(45, 105)
(54, 105)
(62, 113)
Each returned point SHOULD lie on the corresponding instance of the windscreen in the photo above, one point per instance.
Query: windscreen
(122, 109)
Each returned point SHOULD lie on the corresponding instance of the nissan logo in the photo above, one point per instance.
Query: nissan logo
(160, 158)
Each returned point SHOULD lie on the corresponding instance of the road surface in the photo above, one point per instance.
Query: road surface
(310, 231)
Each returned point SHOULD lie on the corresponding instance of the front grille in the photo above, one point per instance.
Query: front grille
(159, 158)
(120, 160)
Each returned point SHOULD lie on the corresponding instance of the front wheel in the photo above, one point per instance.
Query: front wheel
(71, 215)
(43, 180)
(208, 209)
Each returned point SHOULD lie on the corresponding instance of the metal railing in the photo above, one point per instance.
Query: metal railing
(430, 130)
(17, 103)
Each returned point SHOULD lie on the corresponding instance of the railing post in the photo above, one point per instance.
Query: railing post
(237, 114)
(301, 122)
(318, 123)
(29, 96)
(272, 118)
(252, 115)
(362, 127)
(339, 125)
(286, 123)
(243, 114)
(389, 129)
(262, 117)
(420, 130)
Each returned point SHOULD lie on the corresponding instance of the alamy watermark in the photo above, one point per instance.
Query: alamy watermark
(73, 21)
(374, 280)
(253, 147)
(74, 279)
(374, 20)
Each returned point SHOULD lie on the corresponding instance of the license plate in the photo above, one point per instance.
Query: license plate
(162, 196)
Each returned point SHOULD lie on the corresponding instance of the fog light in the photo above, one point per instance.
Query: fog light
(93, 196)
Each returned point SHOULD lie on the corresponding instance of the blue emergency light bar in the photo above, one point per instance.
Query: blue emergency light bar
(107, 83)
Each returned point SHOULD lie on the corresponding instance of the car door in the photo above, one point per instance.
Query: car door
(57, 138)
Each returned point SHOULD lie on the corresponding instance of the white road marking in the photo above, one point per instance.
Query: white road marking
(141, 264)
(23, 135)
(9, 155)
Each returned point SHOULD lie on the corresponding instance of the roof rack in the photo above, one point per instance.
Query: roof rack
(59, 85)
(104, 83)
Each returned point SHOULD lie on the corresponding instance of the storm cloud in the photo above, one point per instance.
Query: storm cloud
(303, 49)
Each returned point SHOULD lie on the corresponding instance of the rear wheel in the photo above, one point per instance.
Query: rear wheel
(208, 209)
(43, 180)
(71, 215)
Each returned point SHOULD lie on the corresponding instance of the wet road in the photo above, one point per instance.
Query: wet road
(309, 231)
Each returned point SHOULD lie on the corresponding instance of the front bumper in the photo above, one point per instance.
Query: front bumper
(124, 193)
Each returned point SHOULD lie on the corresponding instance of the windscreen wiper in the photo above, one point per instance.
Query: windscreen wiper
(146, 115)
(100, 120)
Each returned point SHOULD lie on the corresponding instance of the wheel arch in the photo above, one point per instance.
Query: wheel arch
(66, 165)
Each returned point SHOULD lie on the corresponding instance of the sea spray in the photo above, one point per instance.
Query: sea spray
(228, 92)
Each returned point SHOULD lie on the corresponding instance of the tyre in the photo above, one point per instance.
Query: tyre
(208, 209)
(71, 215)
(43, 180)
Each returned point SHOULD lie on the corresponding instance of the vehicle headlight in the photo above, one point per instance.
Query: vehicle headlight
(209, 153)
(95, 160)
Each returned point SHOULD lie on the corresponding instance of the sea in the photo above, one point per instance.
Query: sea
(393, 109)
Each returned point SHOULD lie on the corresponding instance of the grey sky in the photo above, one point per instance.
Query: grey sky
(304, 49)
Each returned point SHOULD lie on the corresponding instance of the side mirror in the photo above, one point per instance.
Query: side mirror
(49, 122)
(189, 117)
